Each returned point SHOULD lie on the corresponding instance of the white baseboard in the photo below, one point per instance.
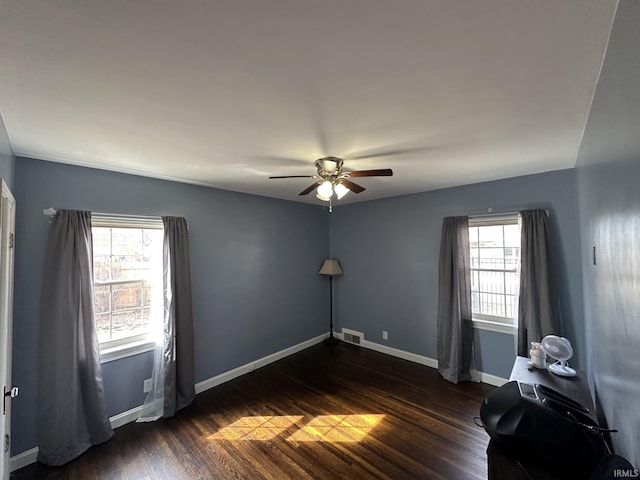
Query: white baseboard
(31, 456)
(261, 362)
(394, 352)
(490, 379)
(23, 459)
(125, 417)
(428, 361)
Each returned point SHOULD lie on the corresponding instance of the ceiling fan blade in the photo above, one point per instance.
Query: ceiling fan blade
(293, 176)
(354, 187)
(383, 172)
(309, 189)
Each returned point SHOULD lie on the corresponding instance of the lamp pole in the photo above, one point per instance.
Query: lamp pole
(331, 268)
(331, 340)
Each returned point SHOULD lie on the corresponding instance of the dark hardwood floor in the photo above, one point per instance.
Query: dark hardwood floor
(326, 412)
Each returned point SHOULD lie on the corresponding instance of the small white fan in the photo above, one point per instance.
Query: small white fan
(559, 348)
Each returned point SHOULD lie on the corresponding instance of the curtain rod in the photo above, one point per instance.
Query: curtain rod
(492, 213)
(52, 211)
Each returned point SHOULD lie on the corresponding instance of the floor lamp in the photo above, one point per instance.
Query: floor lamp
(331, 268)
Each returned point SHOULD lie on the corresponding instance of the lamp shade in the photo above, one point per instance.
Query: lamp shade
(340, 190)
(330, 267)
(325, 189)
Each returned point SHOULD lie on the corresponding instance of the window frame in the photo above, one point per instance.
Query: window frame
(134, 344)
(485, 321)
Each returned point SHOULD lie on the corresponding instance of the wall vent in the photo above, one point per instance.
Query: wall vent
(351, 336)
(348, 337)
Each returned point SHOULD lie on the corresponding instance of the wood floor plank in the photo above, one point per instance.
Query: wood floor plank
(324, 413)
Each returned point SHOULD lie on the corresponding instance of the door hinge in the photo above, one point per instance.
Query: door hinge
(7, 441)
(11, 241)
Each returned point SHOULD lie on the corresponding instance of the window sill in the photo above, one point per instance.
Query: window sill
(128, 349)
(493, 326)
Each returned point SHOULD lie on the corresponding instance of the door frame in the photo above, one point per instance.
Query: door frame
(7, 242)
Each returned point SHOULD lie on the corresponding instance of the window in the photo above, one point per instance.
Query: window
(494, 244)
(127, 275)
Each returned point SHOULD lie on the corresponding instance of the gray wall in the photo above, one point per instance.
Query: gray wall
(609, 201)
(254, 271)
(7, 159)
(389, 252)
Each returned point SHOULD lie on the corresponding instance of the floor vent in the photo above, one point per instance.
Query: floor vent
(352, 337)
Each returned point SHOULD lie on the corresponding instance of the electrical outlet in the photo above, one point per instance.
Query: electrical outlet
(146, 386)
(385, 335)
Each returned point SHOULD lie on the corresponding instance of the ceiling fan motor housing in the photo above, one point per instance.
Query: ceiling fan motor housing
(329, 166)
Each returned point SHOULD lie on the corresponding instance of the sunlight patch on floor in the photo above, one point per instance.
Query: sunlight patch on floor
(323, 428)
(256, 428)
(337, 428)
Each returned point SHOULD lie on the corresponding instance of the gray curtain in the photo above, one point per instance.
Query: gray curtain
(455, 328)
(71, 414)
(536, 314)
(179, 385)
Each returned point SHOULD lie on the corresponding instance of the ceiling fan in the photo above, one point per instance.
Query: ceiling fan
(332, 179)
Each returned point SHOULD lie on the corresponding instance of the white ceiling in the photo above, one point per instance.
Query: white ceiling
(226, 93)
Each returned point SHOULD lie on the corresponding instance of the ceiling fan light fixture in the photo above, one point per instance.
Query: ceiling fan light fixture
(340, 190)
(330, 179)
(325, 189)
